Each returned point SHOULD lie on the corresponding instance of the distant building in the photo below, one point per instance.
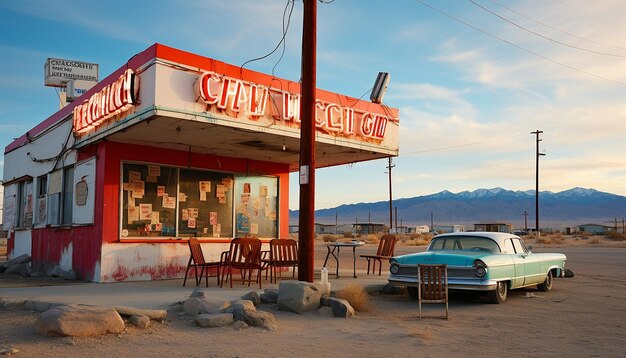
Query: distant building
(421, 229)
(448, 228)
(369, 228)
(494, 227)
(325, 228)
(596, 229)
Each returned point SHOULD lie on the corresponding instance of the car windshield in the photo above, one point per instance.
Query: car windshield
(465, 243)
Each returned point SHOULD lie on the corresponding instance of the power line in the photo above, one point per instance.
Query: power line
(543, 36)
(554, 28)
(520, 47)
(463, 145)
(590, 160)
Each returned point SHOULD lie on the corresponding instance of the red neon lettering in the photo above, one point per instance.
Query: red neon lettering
(348, 118)
(208, 82)
(335, 125)
(320, 121)
(257, 101)
(240, 95)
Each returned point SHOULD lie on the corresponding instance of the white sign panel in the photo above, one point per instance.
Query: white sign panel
(84, 192)
(58, 71)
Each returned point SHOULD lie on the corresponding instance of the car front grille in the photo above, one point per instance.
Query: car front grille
(453, 272)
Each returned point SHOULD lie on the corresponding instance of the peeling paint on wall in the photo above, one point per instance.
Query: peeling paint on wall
(66, 258)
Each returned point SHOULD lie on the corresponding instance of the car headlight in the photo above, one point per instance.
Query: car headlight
(480, 268)
(394, 269)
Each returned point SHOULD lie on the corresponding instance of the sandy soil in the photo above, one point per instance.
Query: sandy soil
(582, 317)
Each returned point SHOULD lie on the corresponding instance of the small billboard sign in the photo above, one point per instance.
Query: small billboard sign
(59, 71)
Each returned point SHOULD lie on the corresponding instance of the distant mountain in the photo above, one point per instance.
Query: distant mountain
(569, 207)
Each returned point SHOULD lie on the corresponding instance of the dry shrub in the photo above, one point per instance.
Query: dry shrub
(348, 235)
(356, 296)
(553, 239)
(371, 239)
(418, 240)
(595, 240)
(330, 238)
(615, 236)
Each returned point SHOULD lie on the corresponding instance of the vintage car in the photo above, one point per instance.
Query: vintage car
(481, 261)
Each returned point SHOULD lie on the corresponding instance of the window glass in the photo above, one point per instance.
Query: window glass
(42, 199)
(149, 200)
(68, 195)
(466, 243)
(256, 205)
(508, 247)
(206, 204)
(519, 246)
(25, 210)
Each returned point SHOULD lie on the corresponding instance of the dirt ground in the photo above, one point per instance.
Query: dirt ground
(582, 317)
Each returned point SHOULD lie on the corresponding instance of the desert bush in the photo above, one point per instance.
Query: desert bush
(330, 238)
(595, 240)
(615, 236)
(348, 235)
(553, 239)
(356, 296)
(371, 239)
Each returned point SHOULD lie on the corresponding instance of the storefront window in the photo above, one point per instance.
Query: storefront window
(256, 206)
(149, 200)
(68, 195)
(162, 201)
(25, 210)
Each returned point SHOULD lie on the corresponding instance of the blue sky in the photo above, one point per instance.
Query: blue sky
(469, 93)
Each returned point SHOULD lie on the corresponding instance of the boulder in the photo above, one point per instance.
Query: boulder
(155, 315)
(12, 304)
(76, 320)
(194, 306)
(340, 307)
(252, 296)
(240, 309)
(139, 321)
(214, 319)
(325, 311)
(56, 271)
(239, 325)
(298, 297)
(261, 319)
(18, 269)
(22, 259)
(198, 292)
(270, 295)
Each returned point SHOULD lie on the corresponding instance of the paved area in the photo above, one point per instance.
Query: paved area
(155, 294)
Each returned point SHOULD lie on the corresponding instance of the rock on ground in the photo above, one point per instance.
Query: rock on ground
(194, 306)
(298, 297)
(340, 307)
(214, 319)
(252, 296)
(155, 315)
(139, 321)
(261, 319)
(76, 320)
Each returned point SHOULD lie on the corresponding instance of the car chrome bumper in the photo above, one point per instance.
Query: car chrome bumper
(453, 284)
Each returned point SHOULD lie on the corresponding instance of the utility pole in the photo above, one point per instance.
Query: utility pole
(390, 195)
(537, 133)
(307, 143)
(525, 220)
(396, 208)
(336, 222)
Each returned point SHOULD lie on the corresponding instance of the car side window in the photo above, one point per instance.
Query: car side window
(508, 247)
(519, 246)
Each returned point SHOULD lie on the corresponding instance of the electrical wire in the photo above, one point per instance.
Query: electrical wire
(463, 145)
(520, 47)
(285, 29)
(554, 28)
(589, 160)
(292, 2)
(542, 36)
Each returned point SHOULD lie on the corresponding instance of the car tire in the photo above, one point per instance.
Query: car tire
(498, 295)
(413, 292)
(546, 286)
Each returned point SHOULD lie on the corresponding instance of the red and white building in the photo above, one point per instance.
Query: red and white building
(171, 145)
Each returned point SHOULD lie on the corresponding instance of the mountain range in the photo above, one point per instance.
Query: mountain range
(570, 207)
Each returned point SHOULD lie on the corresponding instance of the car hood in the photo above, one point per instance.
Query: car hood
(448, 257)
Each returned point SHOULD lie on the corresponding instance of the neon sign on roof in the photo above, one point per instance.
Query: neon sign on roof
(111, 101)
(253, 101)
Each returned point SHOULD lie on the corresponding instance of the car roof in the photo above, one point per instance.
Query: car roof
(498, 237)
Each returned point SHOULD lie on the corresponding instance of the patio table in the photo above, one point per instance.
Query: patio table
(335, 247)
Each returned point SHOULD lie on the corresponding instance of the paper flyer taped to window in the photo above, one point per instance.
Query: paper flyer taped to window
(133, 176)
(154, 170)
(160, 190)
(145, 212)
(182, 197)
(154, 218)
(191, 223)
(169, 202)
(213, 218)
(184, 214)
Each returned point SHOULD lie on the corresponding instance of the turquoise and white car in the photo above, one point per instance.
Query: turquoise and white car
(481, 261)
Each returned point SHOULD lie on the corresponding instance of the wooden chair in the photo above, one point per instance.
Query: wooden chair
(385, 251)
(244, 254)
(196, 260)
(283, 253)
(432, 286)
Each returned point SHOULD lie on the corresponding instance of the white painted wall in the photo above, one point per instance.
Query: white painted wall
(23, 243)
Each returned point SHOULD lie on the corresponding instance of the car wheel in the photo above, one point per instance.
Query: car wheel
(413, 292)
(499, 294)
(546, 286)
